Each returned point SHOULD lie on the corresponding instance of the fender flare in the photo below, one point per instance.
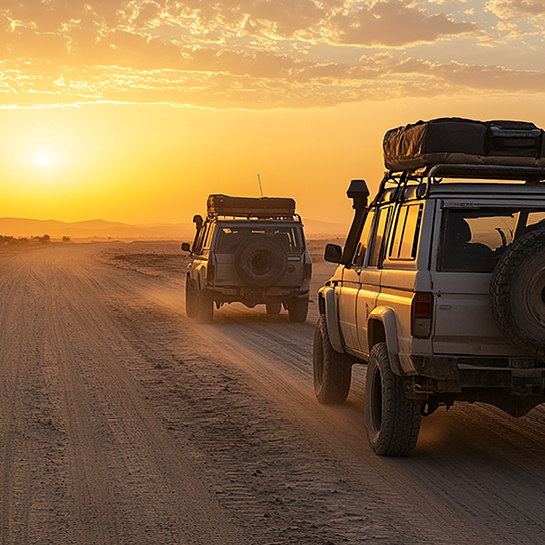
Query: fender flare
(387, 317)
(327, 296)
(199, 279)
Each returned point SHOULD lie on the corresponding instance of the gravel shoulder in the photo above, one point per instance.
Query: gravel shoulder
(124, 422)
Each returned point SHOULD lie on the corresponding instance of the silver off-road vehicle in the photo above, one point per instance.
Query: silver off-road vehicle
(250, 250)
(440, 290)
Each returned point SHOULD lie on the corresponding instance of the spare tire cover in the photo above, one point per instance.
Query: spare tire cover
(260, 261)
(517, 293)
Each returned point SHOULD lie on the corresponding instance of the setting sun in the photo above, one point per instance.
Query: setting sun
(43, 160)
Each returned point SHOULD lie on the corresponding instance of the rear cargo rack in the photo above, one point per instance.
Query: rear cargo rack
(394, 183)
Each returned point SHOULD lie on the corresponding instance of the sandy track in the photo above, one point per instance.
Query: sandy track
(125, 422)
(85, 459)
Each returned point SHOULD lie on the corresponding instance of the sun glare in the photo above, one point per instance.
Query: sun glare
(43, 160)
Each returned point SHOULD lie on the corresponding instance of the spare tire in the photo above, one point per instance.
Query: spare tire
(260, 261)
(517, 293)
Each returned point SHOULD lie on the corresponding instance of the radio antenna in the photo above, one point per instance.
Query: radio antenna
(260, 188)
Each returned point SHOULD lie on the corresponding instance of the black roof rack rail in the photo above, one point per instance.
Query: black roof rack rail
(433, 174)
(492, 172)
(254, 217)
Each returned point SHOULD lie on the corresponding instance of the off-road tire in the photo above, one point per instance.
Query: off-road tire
(273, 308)
(332, 370)
(190, 299)
(298, 309)
(517, 293)
(204, 307)
(392, 420)
(261, 261)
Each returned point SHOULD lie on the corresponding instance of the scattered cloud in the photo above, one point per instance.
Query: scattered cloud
(516, 8)
(251, 53)
(394, 23)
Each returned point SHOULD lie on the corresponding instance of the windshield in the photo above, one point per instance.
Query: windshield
(290, 237)
(473, 240)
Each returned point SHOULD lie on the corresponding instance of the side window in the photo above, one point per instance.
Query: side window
(208, 236)
(364, 239)
(378, 240)
(199, 243)
(406, 232)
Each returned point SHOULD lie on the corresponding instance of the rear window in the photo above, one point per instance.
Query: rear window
(474, 240)
(230, 236)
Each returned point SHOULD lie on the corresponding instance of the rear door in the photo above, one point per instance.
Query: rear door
(472, 238)
(400, 276)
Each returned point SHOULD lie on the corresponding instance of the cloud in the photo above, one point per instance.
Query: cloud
(236, 53)
(218, 79)
(460, 76)
(505, 9)
(394, 23)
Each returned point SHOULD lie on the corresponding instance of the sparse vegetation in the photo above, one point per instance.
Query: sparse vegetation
(8, 239)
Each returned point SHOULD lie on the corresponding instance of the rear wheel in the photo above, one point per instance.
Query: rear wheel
(392, 420)
(273, 308)
(332, 370)
(298, 309)
(205, 307)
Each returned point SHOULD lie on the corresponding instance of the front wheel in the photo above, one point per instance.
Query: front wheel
(190, 299)
(332, 370)
(298, 309)
(392, 420)
(205, 307)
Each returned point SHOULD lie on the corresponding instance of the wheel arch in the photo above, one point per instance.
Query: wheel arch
(382, 327)
(327, 306)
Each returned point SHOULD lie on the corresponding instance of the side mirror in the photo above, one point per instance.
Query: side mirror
(186, 247)
(333, 253)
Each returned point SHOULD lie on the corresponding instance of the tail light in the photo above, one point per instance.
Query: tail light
(210, 272)
(307, 266)
(421, 314)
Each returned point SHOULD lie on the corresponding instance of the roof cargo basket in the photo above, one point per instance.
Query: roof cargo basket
(251, 207)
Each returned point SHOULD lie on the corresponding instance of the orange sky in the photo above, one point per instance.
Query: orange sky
(135, 111)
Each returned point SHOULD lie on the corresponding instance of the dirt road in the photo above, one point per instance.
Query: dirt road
(124, 422)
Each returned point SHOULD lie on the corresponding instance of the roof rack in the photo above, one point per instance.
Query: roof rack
(251, 207)
(255, 217)
(393, 185)
(490, 172)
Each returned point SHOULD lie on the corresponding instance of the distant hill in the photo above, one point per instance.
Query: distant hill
(85, 230)
(317, 228)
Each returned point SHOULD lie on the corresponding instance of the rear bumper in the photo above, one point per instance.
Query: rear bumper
(255, 296)
(446, 374)
(515, 385)
(519, 381)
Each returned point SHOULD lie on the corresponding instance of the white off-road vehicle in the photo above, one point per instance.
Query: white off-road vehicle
(440, 288)
(250, 250)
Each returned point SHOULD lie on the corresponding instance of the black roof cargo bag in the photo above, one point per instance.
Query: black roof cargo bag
(264, 207)
(464, 141)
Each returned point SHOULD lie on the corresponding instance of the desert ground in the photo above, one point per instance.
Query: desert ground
(124, 422)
